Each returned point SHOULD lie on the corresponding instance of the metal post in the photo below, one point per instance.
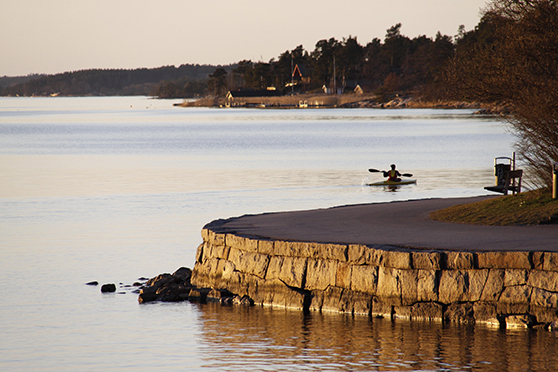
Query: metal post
(555, 181)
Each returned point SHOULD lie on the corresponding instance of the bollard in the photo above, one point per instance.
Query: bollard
(555, 181)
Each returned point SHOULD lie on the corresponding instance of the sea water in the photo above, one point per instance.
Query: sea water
(111, 189)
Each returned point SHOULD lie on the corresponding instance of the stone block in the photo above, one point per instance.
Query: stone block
(427, 260)
(383, 308)
(361, 303)
(515, 277)
(337, 252)
(290, 270)
(461, 285)
(242, 243)
(494, 285)
(332, 299)
(292, 249)
(427, 285)
(517, 294)
(477, 282)
(545, 299)
(409, 286)
(200, 253)
(460, 260)
(389, 284)
(398, 260)
(216, 251)
(538, 260)
(248, 262)
(485, 312)
(266, 247)
(303, 249)
(550, 261)
(401, 312)
(460, 313)
(520, 321)
(503, 260)
(453, 286)
(205, 234)
(320, 273)
(544, 314)
(356, 254)
(316, 300)
(277, 294)
(364, 278)
(346, 301)
(205, 274)
(429, 311)
(216, 238)
(547, 280)
(343, 275)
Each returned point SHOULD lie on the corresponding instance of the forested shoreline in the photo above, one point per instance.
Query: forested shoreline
(396, 65)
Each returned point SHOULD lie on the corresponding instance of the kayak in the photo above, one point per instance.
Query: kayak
(393, 183)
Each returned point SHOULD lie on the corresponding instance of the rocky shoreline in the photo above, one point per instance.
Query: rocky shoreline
(302, 101)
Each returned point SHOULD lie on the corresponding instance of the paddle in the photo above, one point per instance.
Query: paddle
(372, 170)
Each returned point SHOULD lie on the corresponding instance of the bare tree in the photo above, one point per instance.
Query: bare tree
(517, 65)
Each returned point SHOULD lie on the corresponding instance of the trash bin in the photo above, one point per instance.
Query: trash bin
(500, 171)
(555, 181)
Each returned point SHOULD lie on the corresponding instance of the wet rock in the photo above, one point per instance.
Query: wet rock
(220, 295)
(520, 321)
(167, 287)
(460, 313)
(145, 297)
(198, 294)
(108, 288)
(243, 301)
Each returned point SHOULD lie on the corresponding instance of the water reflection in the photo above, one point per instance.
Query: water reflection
(236, 338)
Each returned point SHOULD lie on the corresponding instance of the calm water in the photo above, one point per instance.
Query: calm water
(112, 189)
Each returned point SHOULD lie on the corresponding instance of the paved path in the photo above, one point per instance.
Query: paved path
(398, 224)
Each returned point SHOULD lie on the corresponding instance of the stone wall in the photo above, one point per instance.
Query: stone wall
(512, 289)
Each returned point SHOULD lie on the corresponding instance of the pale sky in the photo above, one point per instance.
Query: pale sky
(53, 36)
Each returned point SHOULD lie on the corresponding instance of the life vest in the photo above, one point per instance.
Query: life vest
(392, 175)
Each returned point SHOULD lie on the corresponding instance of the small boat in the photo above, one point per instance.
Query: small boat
(393, 183)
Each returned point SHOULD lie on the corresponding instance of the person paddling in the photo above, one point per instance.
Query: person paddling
(393, 174)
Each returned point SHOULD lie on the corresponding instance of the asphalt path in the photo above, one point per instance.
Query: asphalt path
(402, 224)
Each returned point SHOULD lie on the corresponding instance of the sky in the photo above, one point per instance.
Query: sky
(55, 36)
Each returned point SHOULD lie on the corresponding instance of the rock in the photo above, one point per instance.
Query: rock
(460, 313)
(219, 295)
(107, 288)
(553, 327)
(147, 297)
(182, 275)
(243, 301)
(160, 280)
(94, 283)
(198, 294)
(520, 321)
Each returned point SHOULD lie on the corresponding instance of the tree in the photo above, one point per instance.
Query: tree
(217, 82)
(517, 64)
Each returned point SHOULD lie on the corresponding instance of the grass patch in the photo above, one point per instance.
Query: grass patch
(529, 208)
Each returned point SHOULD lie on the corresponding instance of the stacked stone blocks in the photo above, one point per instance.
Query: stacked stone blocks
(494, 287)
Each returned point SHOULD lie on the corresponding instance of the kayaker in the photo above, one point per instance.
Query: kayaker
(393, 174)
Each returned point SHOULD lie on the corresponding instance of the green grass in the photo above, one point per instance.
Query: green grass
(529, 208)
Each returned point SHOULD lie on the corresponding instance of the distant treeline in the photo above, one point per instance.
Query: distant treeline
(395, 65)
(191, 80)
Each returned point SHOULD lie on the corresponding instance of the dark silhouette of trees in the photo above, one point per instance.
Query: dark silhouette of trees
(512, 58)
(141, 81)
(217, 82)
